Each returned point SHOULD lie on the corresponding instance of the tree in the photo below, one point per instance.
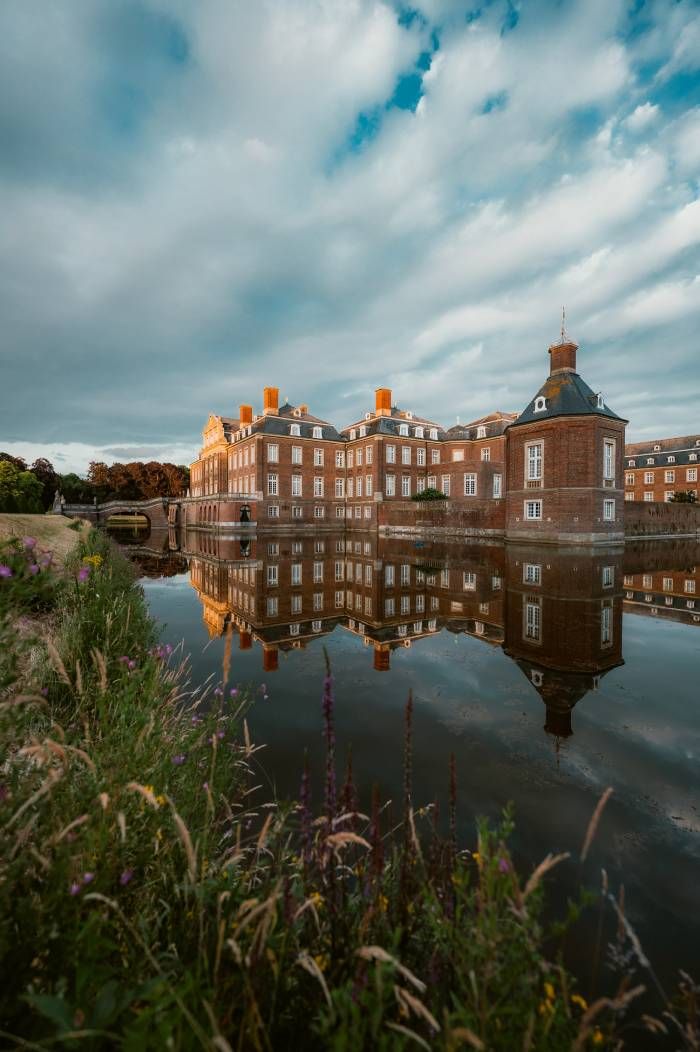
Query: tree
(19, 490)
(683, 497)
(45, 472)
(20, 464)
(75, 489)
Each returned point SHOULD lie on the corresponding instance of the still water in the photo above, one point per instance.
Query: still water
(550, 674)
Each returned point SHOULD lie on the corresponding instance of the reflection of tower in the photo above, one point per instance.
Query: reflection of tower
(563, 623)
(382, 658)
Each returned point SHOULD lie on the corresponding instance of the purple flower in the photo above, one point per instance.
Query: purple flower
(123, 658)
(33, 569)
(46, 559)
(218, 692)
(44, 692)
(75, 888)
(219, 735)
(131, 665)
(126, 877)
(29, 543)
(83, 574)
(179, 759)
(88, 878)
(205, 785)
(233, 691)
(168, 649)
(504, 865)
(5, 571)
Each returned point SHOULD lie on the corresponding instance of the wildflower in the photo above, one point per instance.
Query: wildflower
(168, 649)
(88, 878)
(83, 574)
(598, 1036)
(504, 865)
(33, 569)
(179, 759)
(160, 799)
(220, 734)
(126, 877)
(477, 857)
(545, 1008)
(46, 560)
(131, 665)
(44, 692)
(124, 659)
(576, 999)
(549, 991)
(75, 888)
(93, 560)
(218, 692)
(316, 899)
(321, 960)
(5, 571)
(29, 543)
(205, 785)
(233, 692)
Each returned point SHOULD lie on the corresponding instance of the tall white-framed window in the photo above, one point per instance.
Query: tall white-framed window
(486, 453)
(533, 461)
(434, 456)
(629, 478)
(296, 574)
(470, 484)
(351, 487)
(481, 431)
(319, 511)
(405, 454)
(340, 488)
(294, 429)
(272, 606)
(406, 486)
(418, 432)
(433, 434)
(689, 586)
(608, 576)
(391, 454)
(532, 573)
(532, 626)
(273, 453)
(609, 510)
(340, 458)
(272, 485)
(420, 456)
(297, 455)
(369, 455)
(318, 572)
(389, 575)
(390, 485)
(318, 457)
(368, 485)
(606, 625)
(339, 567)
(691, 475)
(497, 486)
(318, 486)
(403, 430)
(405, 574)
(445, 484)
(358, 458)
(296, 485)
(405, 607)
(469, 581)
(667, 584)
(533, 509)
(388, 608)
(669, 476)
(609, 459)
(272, 574)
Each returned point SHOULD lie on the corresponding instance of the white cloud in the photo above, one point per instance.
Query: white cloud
(642, 117)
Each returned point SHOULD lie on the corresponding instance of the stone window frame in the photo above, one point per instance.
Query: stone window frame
(608, 517)
(609, 443)
(606, 623)
(470, 479)
(532, 619)
(536, 501)
(528, 445)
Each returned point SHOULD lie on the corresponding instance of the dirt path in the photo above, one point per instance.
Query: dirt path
(50, 531)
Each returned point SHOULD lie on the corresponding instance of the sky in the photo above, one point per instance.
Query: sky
(199, 200)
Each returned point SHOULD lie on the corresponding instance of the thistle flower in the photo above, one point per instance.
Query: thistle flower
(5, 571)
(88, 878)
(504, 865)
(75, 888)
(218, 692)
(83, 574)
(126, 877)
(29, 543)
(33, 569)
(233, 692)
(179, 759)
(131, 665)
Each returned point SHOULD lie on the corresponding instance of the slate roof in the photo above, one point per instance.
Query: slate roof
(566, 394)
(280, 425)
(655, 460)
(668, 445)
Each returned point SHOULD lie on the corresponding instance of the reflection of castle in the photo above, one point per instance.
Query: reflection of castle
(556, 612)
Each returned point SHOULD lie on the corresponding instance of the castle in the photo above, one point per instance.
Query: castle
(553, 473)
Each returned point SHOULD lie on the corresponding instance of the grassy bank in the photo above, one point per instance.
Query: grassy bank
(151, 897)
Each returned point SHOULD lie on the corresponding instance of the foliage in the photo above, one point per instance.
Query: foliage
(137, 481)
(19, 490)
(147, 903)
(430, 494)
(683, 497)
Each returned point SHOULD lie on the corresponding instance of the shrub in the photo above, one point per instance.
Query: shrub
(430, 494)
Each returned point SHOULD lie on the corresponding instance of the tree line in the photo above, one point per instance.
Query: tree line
(26, 488)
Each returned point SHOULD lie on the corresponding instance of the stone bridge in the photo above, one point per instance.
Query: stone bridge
(155, 510)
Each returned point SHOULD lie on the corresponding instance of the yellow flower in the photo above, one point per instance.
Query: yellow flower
(383, 903)
(322, 961)
(160, 799)
(598, 1038)
(316, 899)
(576, 999)
(545, 1007)
(93, 560)
(549, 991)
(477, 857)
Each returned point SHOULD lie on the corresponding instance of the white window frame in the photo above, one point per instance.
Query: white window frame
(470, 484)
(532, 510)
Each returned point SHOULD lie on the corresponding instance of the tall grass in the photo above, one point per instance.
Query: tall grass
(150, 899)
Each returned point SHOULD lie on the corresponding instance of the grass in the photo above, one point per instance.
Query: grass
(150, 898)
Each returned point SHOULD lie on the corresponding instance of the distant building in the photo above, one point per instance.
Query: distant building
(552, 473)
(657, 469)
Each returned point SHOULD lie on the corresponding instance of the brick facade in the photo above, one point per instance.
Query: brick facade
(657, 469)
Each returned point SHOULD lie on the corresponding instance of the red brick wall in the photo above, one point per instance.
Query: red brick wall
(475, 515)
(643, 519)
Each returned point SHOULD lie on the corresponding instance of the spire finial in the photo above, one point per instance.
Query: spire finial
(563, 325)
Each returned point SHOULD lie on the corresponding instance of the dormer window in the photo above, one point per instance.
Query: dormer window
(670, 460)
(693, 456)
(403, 430)
(540, 404)
(433, 434)
(650, 460)
(419, 432)
(363, 431)
(631, 464)
(657, 447)
(368, 416)
(318, 432)
(353, 434)
(294, 429)
(481, 431)
(601, 403)
(409, 415)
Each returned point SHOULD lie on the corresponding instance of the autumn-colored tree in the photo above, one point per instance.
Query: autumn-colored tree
(18, 462)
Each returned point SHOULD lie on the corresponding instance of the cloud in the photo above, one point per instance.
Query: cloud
(189, 214)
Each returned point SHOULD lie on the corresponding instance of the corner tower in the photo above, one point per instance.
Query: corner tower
(565, 461)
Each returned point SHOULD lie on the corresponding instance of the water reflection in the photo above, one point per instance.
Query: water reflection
(557, 613)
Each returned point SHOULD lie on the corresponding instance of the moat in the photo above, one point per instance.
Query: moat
(550, 673)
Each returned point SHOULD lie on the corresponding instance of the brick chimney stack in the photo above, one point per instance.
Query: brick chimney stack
(562, 357)
(271, 399)
(245, 414)
(382, 401)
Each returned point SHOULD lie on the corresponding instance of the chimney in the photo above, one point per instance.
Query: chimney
(271, 397)
(304, 409)
(245, 414)
(382, 401)
(382, 659)
(270, 659)
(562, 357)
